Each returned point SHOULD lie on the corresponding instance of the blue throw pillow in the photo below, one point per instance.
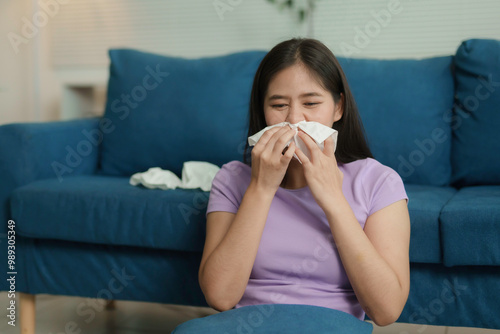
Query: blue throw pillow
(277, 318)
(476, 144)
(405, 106)
(162, 111)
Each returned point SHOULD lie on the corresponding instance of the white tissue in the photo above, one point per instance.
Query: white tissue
(195, 174)
(198, 174)
(317, 131)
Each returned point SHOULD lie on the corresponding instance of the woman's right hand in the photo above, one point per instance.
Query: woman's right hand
(269, 164)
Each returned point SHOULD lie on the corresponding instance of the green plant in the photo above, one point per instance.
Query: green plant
(303, 8)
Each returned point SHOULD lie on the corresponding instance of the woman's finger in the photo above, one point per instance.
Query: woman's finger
(284, 138)
(266, 137)
(329, 148)
(275, 141)
(302, 157)
(288, 155)
(310, 144)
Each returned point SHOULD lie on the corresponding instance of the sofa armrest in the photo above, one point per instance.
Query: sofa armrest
(34, 151)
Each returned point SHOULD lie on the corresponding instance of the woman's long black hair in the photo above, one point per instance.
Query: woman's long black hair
(351, 143)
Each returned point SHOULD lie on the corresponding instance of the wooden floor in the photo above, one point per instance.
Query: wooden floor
(64, 315)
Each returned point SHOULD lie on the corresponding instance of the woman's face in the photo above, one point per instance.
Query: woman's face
(294, 95)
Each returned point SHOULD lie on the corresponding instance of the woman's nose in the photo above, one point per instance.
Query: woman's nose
(294, 115)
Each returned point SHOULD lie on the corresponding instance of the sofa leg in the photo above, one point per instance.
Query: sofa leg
(110, 304)
(27, 313)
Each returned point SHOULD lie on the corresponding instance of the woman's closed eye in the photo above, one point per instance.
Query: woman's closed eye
(284, 105)
(278, 106)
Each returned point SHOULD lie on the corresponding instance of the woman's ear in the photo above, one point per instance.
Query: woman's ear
(339, 108)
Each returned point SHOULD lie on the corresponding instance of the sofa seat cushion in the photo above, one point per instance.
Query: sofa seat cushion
(108, 210)
(70, 268)
(462, 296)
(470, 227)
(425, 204)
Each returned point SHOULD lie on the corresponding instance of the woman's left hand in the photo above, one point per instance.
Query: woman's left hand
(322, 174)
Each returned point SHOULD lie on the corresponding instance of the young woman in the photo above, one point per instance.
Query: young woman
(330, 231)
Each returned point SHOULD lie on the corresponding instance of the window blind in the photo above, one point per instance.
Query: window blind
(83, 30)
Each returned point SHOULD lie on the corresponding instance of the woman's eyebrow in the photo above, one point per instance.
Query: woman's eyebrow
(310, 94)
(279, 97)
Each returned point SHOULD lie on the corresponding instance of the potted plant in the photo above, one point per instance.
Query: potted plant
(302, 8)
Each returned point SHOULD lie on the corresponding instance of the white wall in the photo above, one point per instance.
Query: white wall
(15, 69)
(71, 49)
(413, 28)
(29, 90)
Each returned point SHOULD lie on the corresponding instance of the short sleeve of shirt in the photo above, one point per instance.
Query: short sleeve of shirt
(383, 187)
(228, 187)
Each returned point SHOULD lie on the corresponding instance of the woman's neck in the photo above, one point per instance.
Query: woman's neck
(294, 177)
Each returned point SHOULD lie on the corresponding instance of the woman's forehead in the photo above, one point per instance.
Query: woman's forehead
(296, 76)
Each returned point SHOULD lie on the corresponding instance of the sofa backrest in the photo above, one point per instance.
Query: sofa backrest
(476, 118)
(403, 105)
(164, 111)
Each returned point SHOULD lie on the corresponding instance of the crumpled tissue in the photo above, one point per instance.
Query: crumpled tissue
(317, 131)
(195, 174)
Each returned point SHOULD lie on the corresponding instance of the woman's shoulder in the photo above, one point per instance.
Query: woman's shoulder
(234, 172)
(368, 169)
(229, 186)
(367, 165)
(236, 168)
(380, 185)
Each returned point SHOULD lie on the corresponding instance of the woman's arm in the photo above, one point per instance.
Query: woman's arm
(232, 240)
(376, 260)
(230, 249)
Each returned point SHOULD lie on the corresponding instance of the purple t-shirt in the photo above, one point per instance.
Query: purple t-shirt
(297, 261)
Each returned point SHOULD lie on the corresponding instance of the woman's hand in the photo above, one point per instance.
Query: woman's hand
(269, 164)
(322, 174)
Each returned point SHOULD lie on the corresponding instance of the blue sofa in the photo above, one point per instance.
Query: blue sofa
(82, 230)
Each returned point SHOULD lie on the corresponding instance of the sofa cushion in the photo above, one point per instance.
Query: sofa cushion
(470, 227)
(163, 111)
(403, 106)
(460, 296)
(108, 210)
(105, 271)
(167, 219)
(425, 204)
(276, 318)
(476, 142)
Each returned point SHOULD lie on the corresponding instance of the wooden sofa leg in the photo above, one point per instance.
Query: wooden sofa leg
(110, 304)
(27, 313)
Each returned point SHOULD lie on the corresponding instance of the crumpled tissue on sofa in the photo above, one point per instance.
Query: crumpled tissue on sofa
(195, 174)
